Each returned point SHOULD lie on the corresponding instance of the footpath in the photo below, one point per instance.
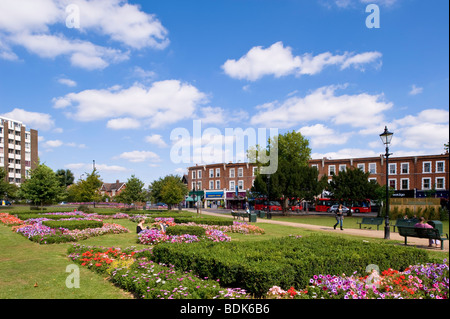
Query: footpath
(373, 233)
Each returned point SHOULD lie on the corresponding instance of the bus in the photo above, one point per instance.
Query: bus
(360, 206)
(261, 204)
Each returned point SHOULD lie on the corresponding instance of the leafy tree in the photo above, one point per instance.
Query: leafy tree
(169, 190)
(293, 178)
(86, 190)
(65, 177)
(353, 184)
(42, 187)
(133, 192)
(7, 190)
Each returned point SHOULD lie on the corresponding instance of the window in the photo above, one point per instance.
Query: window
(231, 172)
(255, 171)
(199, 174)
(241, 184)
(440, 167)
(240, 172)
(426, 183)
(217, 184)
(404, 168)
(232, 186)
(404, 183)
(199, 185)
(342, 167)
(218, 172)
(362, 167)
(211, 184)
(392, 169)
(393, 183)
(440, 183)
(331, 170)
(426, 168)
(211, 172)
(193, 175)
(372, 168)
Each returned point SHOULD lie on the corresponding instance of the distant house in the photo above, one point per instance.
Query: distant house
(112, 189)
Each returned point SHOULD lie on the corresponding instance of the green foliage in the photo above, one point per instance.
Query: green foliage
(285, 262)
(352, 184)
(191, 230)
(133, 192)
(73, 224)
(86, 190)
(42, 187)
(169, 190)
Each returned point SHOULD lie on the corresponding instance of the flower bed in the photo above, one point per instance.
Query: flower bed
(156, 236)
(133, 271)
(10, 220)
(429, 281)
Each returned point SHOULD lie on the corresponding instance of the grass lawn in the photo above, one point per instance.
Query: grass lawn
(24, 263)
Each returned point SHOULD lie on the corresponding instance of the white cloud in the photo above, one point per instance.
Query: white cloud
(99, 167)
(323, 104)
(346, 153)
(140, 156)
(68, 82)
(279, 61)
(123, 124)
(156, 139)
(31, 24)
(162, 103)
(415, 90)
(33, 120)
(53, 143)
(321, 136)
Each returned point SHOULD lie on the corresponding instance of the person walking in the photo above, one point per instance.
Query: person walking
(339, 217)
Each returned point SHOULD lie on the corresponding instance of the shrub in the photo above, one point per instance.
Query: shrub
(285, 262)
(73, 224)
(180, 230)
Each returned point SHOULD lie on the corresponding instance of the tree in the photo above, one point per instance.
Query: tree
(65, 177)
(42, 187)
(7, 190)
(352, 185)
(293, 178)
(169, 190)
(133, 192)
(86, 190)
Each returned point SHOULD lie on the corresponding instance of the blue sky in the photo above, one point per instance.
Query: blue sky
(111, 81)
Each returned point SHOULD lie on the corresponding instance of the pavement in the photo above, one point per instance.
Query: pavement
(373, 233)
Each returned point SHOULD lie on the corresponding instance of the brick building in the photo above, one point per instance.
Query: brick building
(18, 150)
(411, 175)
(112, 189)
(221, 185)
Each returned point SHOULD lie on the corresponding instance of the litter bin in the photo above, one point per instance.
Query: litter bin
(262, 214)
(252, 218)
(437, 224)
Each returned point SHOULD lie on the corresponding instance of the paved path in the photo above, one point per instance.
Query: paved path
(412, 241)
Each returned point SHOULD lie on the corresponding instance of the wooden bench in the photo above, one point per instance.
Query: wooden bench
(370, 221)
(430, 233)
(405, 222)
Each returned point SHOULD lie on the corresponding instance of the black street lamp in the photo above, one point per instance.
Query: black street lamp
(386, 138)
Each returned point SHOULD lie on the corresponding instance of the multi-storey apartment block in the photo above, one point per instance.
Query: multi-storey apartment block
(18, 150)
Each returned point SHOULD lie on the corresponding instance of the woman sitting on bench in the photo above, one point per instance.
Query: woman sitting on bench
(423, 224)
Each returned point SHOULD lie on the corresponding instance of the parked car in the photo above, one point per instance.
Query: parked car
(345, 210)
(159, 205)
(5, 202)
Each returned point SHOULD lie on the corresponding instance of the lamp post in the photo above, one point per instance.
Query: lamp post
(386, 138)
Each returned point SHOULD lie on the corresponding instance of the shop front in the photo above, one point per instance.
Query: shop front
(214, 199)
(236, 200)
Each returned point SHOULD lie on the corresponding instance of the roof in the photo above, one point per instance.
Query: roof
(108, 187)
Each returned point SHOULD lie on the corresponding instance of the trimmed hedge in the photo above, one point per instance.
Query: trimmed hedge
(285, 262)
(204, 221)
(73, 224)
(181, 230)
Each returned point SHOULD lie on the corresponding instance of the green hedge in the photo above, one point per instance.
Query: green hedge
(181, 230)
(73, 224)
(205, 221)
(285, 262)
